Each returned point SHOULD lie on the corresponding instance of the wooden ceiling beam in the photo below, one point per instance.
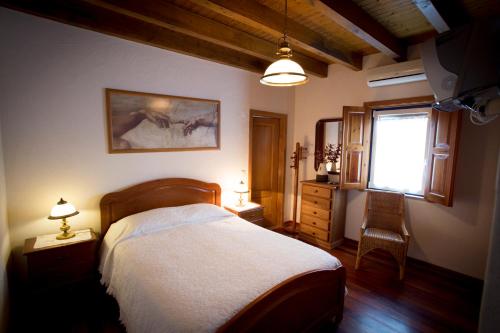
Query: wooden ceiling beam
(174, 18)
(430, 12)
(352, 18)
(452, 12)
(88, 16)
(257, 16)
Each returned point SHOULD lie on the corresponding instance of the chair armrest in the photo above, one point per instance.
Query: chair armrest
(404, 231)
(364, 225)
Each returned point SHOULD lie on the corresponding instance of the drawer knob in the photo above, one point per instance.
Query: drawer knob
(314, 233)
(314, 223)
(315, 202)
(315, 213)
(315, 191)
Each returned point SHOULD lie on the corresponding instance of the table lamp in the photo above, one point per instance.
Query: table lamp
(241, 188)
(62, 211)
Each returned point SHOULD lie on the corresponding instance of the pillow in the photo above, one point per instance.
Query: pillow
(154, 220)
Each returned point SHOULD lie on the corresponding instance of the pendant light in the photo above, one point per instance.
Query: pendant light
(284, 72)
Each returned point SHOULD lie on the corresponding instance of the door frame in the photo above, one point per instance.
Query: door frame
(283, 118)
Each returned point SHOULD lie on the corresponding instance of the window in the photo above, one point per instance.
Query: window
(399, 150)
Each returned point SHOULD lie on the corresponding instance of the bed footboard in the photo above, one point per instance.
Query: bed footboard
(303, 303)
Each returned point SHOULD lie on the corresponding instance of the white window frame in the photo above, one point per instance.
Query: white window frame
(400, 111)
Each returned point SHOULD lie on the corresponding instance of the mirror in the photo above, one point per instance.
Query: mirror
(328, 144)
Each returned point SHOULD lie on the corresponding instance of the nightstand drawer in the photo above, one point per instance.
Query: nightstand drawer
(314, 232)
(316, 212)
(316, 191)
(315, 222)
(252, 215)
(69, 272)
(66, 266)
(316, 202)
(61, 256)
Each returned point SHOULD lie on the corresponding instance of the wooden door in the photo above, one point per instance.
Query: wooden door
(267, 164)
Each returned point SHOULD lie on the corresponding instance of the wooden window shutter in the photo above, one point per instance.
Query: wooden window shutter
(442, 156)
(357, 123)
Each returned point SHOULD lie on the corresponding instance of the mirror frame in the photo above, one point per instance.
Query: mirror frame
(319, 139)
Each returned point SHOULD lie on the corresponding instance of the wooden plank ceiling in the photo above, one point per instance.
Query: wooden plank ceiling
(243, 33)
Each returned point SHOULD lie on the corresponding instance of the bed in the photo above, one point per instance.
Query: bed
(175, 261)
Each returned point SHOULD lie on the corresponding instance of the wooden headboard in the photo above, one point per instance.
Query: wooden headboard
(153, 194)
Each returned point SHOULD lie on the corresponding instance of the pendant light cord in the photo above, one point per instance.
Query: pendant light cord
(286, 19)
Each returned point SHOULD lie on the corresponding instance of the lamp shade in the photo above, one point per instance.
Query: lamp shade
(241, 187)
(284, 73)
(62, 210)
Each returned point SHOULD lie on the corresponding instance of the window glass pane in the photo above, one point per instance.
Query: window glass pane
(399, 150)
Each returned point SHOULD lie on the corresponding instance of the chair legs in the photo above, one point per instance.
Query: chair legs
(396, 253)
(358, 256)
(401, 272)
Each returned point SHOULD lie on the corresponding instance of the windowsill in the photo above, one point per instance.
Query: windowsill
(414, 196)
(407, 195)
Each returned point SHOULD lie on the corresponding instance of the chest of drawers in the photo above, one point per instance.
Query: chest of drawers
(322, 214)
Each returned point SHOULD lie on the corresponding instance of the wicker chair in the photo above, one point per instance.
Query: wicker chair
(384, 227)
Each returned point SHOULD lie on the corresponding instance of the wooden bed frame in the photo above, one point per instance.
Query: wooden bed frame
(303, 303)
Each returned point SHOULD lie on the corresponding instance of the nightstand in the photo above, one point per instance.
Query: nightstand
(61, 267)
(252, 212)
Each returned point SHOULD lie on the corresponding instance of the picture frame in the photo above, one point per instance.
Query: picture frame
(139, 122)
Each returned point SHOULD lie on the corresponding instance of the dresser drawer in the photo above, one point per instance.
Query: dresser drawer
(314, 232)
(317, 212)
(316, 202)
(315, 222)
(316, 191)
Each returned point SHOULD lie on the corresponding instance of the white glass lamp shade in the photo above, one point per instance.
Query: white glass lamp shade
(62, 210)
(284, 73)
(241, 187)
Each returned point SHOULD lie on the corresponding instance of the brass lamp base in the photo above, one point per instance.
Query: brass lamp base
(65, 235)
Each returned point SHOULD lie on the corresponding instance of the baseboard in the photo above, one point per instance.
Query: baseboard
(447, 273)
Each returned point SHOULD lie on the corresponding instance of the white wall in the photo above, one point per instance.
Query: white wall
(52, 84)
(455, 238)
(4, 246)
(489, 321)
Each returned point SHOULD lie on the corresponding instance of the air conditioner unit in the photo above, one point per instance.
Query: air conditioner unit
(403, 72)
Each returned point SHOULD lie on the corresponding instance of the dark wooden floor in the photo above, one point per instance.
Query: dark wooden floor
(430, 299)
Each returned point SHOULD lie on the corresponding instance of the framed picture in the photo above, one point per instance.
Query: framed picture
(143, 122)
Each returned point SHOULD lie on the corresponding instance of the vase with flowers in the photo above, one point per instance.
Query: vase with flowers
(331, 158)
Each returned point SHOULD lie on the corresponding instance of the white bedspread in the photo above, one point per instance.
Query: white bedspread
(192, 268)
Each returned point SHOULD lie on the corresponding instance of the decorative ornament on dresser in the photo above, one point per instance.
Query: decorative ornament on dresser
(331, 157)
(321, 173)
